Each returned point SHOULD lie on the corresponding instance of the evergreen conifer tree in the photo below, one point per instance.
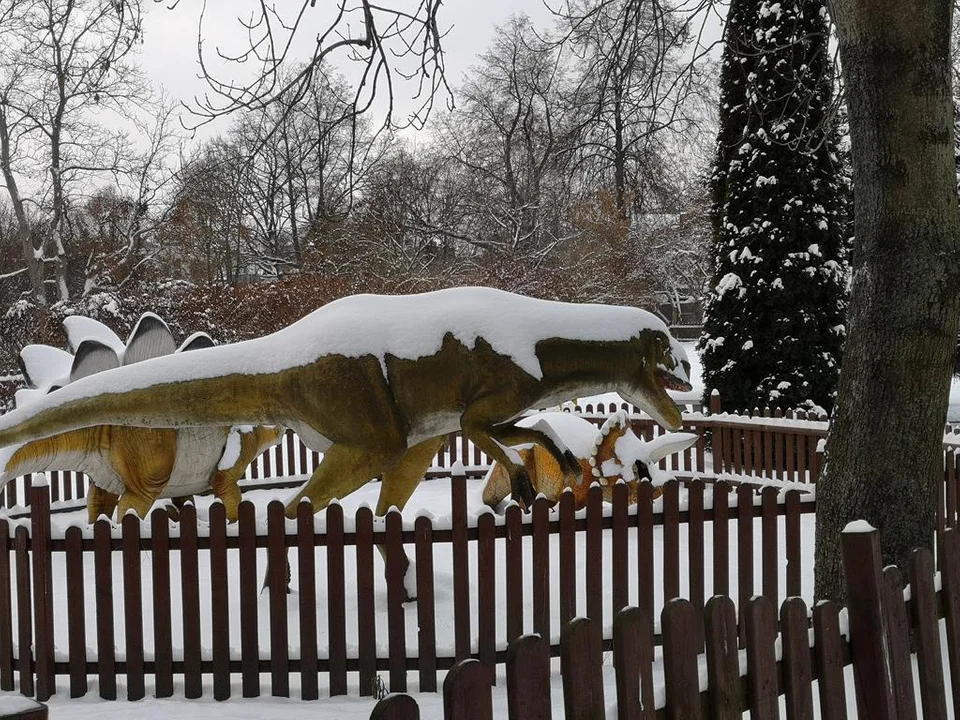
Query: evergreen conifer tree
(773, 325)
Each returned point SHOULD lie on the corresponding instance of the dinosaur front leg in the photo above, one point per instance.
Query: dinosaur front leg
(139, 501)
(541, 434)
(520, 486)
(397, 486)
(225, 488)
(100, 502)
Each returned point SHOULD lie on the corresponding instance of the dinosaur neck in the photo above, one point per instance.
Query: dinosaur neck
(578, 368)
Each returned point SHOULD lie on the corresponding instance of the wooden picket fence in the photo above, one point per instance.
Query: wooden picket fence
(41, 576)
(786, 664)
(536, 554)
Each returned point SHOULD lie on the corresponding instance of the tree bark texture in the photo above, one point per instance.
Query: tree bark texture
(884, 456)
(30, 259)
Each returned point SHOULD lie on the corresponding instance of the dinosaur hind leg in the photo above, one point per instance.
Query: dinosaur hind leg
(398, 485)
(402, 479)
(344, 468)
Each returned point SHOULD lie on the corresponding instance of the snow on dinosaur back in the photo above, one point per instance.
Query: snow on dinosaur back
(405, 326)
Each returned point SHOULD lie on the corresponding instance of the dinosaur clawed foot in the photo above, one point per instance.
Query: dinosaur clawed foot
(522, 489)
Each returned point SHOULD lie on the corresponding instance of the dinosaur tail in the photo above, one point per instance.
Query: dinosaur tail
(173, 391)
(63, 452)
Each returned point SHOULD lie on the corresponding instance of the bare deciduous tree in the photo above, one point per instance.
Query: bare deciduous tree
(390, 44)
(63, 60)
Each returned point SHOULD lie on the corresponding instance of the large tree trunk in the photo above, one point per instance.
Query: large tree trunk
(30, 259)
(884, 456)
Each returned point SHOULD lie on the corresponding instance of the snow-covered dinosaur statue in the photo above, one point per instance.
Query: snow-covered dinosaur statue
(606, 454)
(130, 466)
(376, 383)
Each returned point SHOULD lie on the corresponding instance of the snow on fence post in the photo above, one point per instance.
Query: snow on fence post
(132, 605)
(680, 667)
(396, 707)
(715, 404)
(103, 591)
(277, 568)
(927, 636)
(6, 610)
(581, 665)
(869, 647)
(42, 588)
(467, 692)
(396, 566)
(461, 562)
(528, 678)
(818, 460)
(633, 661)
(898, 642)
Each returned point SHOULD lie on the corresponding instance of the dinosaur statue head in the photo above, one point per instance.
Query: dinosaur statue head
(663, 366)
(619, 453)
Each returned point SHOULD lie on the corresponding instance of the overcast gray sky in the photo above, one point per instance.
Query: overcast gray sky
(170, 46)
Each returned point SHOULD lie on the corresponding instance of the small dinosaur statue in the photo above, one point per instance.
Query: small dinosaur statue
(130, 466)
(375, 383)
(606, 454)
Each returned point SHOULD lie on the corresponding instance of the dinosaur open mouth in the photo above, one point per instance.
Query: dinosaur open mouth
(670, 381)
